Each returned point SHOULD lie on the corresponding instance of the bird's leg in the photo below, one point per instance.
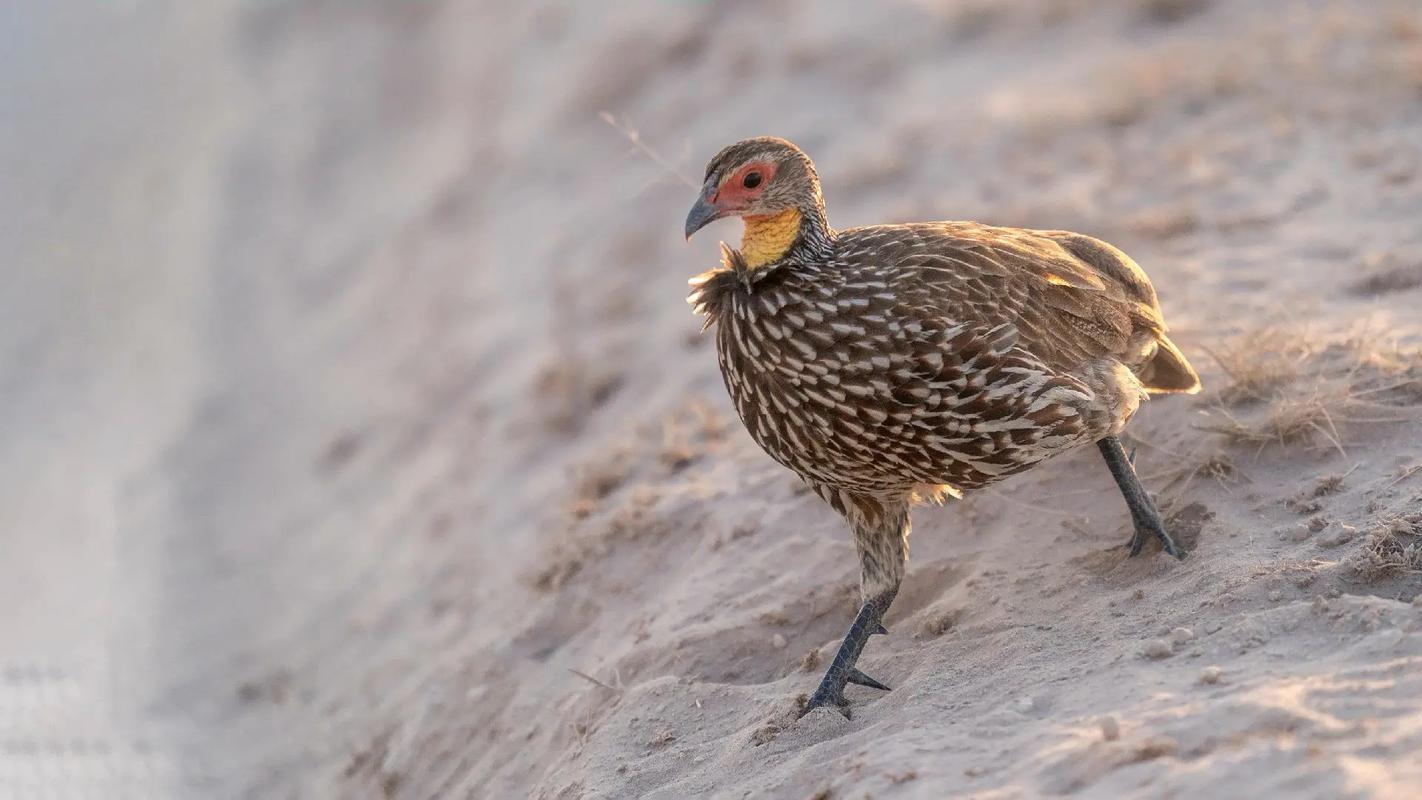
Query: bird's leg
(1143, 512)
(882, 542)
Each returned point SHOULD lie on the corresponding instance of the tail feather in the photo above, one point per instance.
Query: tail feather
(1168, 372)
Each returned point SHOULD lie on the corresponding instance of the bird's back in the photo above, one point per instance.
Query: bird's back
(1073, 299)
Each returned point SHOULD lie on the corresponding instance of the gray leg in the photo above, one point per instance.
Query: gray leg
(882, 541)
(842, 670)
(1143, 513)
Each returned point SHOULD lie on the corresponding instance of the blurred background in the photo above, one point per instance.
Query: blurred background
(349, 401)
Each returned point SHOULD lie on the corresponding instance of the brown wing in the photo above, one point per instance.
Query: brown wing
(1072, 298)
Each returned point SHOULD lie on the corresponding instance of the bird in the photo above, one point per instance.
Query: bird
(892, 365)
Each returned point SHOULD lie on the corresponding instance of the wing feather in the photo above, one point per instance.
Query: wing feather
(1072, 298)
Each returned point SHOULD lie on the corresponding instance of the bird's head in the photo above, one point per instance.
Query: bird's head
(770, 184)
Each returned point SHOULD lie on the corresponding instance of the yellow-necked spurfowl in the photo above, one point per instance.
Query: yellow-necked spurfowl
(894, 363)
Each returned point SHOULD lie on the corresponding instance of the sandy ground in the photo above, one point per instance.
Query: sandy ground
(361, 445)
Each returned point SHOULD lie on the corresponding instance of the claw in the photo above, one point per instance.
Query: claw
(860, 679)
(1167, 544)
(1137, 542)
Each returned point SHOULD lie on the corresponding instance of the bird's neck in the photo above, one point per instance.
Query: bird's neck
(770, 238)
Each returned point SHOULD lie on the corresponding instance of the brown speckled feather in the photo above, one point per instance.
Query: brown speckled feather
(939, 353)
(1072, 298)
(876, 372)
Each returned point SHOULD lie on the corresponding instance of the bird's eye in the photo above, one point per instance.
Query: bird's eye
(751, 180)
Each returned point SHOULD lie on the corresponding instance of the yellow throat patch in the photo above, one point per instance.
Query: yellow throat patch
(770, 237)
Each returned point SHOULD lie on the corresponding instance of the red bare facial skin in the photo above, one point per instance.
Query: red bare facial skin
(734, 196)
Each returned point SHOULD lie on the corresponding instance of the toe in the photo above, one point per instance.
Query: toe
(1136, 543)
(859, 678)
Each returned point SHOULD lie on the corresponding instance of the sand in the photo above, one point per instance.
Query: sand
(424, 483)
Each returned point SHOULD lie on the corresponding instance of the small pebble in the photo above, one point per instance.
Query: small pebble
(1319, 604)
(1211, 675)
(1025, 704)
(1301, 532)
(1180, 636)
(1275, 595)
(1417, 601)
(1155, 648)
(1110, 729)
(778, 641)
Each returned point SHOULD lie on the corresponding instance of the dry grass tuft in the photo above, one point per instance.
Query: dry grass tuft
(1259, 364)
(1216, 466)
(811, 661)
(1394, 548)
(1329, 484)
(1287, 387)
(941, 622)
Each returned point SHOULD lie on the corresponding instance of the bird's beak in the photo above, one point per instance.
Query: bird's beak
(704, 212)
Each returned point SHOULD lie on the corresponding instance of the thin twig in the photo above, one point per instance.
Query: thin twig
(636, 139)
(1025, 504)
(1406, 473)
(591, 679)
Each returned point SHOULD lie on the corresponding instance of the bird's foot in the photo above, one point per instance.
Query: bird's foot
(828, 696)
(830, 693)
(1153, 527)
(1144, 514)
(842, 671)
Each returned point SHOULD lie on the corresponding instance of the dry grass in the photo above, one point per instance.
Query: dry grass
(1289, 387)
(941, 622)
(1394, 548)
(1258, 364)
(1216, 466)
(811, 661)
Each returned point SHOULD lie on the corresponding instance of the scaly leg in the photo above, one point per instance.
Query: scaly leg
(881, 537)
(1143, 513)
